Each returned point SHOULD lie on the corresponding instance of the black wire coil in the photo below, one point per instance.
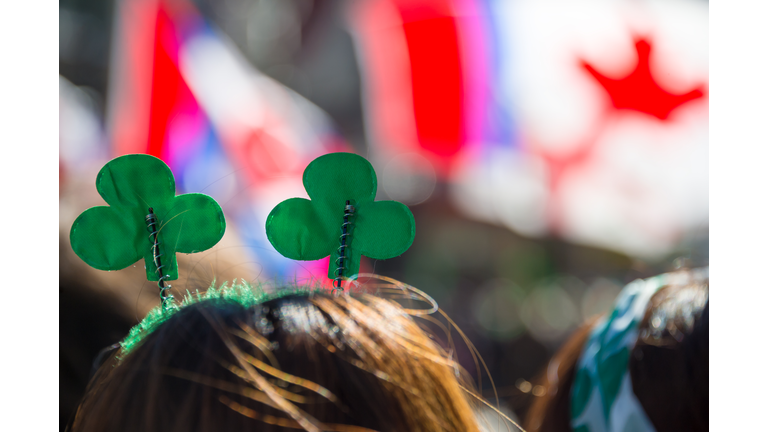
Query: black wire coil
(165, 295)
(341, 251)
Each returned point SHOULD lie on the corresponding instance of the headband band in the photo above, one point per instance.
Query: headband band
(241, 293)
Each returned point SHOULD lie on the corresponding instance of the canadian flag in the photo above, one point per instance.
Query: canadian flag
(612, 107)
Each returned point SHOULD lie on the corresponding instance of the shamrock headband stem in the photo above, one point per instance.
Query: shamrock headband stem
(345, 228)
(342, 189)
(141, 193)
(165, 296)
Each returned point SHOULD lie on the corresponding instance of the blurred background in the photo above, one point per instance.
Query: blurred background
(551, 151)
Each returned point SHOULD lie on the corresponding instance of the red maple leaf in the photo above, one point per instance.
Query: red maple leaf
(639, 91)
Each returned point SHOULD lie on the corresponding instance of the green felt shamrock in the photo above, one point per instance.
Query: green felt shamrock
(307, 230)
(116, 236)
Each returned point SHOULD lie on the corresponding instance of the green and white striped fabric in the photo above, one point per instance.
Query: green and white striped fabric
(602, 399)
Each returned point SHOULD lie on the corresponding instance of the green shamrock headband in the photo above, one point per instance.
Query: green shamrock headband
(145, 219)
(341, 218)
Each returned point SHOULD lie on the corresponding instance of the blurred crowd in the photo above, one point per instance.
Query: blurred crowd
(551, 152)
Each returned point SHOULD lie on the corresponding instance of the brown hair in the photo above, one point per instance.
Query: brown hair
(551, 411)
(317, 362)
(669, 365)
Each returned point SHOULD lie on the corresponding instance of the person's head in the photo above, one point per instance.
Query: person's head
(302, 361)
(667, 362)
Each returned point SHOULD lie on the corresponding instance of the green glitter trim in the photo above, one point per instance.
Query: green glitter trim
(242, 293)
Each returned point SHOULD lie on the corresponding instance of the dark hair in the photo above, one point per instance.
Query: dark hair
(317, 362)
(668, 366)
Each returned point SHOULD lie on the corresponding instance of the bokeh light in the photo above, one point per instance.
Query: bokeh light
(496, 307)
(550, 313)
(409, 178)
